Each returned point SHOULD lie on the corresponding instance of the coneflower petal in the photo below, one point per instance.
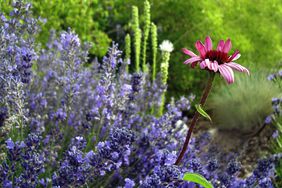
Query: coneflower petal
(220, 45)
(208, 43)
(203, 65)
(201, 48)
(188, 52)
(227, 73)
(236, 55)
(208, 63)
(237, 67)
(227, 46)
(192, 60)
(215, 66)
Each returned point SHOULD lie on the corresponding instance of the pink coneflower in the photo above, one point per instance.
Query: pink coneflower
(216, 60)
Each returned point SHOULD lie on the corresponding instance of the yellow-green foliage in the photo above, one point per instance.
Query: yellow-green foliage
(127, 49)
(137, 36)
(147, 17)
(154, 39)
(81, 16)
(244, 104)
(253, 25)
(87, 18)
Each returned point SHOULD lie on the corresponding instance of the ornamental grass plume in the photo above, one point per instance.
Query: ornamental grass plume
(147, 18)
(214, 61)
(137, 36)
(154, 39)
(127, 50)
(166, 47)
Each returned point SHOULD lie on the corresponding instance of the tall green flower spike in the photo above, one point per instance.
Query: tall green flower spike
(137, 37)
(127, 50)
(154, 39)
(166, 47)
(147, 16)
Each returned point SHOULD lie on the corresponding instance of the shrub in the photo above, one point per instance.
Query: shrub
(86, 18)
(243, 105)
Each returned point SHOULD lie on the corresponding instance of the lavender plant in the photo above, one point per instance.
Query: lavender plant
(276, 119)
(17, 55)
(92, 126)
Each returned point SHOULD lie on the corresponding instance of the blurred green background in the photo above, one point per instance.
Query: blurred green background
(254, 26)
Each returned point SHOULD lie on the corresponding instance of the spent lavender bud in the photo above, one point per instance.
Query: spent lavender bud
(233, 167)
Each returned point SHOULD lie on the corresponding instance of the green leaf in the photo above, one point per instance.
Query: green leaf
(202, 112)
(197, 178)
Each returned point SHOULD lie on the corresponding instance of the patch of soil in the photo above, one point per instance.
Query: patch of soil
(250, 148)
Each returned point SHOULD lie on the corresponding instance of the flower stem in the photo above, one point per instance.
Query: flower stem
(195, 118)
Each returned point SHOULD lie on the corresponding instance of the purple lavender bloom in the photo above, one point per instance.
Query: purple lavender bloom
(183, 104)
(3, 115)
(265, 183)
(10, 144)
(275, 101)
(277, 110)
(224, 179)
(167, 172)
(129, 183)
(69, 40)
(121, 136)
(280, 73)
(268, 120)
(275, 134)
(250, 181)
(59, 115)
(151, 181)
(7, 184)
(265, 167)
(271, 77)
(104, 149)
(233, 167)
(212, 165)
(92, 158)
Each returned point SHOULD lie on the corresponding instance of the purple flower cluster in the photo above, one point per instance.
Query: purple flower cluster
(275, 76)
(73, 123)
(78, 167)
(17, 53)
(25, 163)
(17, 42)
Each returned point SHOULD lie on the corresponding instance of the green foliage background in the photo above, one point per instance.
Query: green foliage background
(254, 26)
(89, 19)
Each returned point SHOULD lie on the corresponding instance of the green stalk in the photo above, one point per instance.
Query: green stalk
(195, 118)
(127, 50)
(164, 73)
(154, 39)
(147, 16)
(137, 37)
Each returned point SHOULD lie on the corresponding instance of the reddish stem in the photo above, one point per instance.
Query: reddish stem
(195, 118)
